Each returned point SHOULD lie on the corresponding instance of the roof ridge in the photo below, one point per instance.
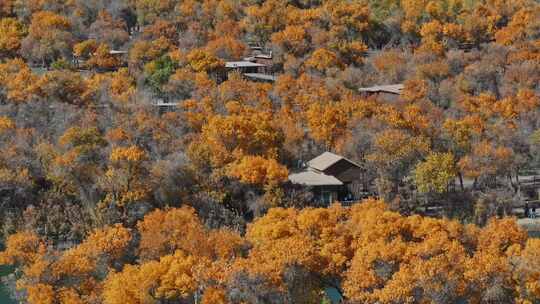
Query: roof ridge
(327, 163)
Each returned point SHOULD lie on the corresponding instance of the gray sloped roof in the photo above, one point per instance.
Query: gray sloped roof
(389, 88)
(260, 76)
(312, 178)
(326, 160)
(113, 52)
(264, 56)
(242, 64)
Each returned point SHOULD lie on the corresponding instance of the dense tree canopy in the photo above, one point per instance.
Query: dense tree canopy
(138, 165)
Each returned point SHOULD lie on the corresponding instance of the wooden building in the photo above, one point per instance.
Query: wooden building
(245, 67)
(265, 59)
(386, 93)
(332, 178)
(260, 77)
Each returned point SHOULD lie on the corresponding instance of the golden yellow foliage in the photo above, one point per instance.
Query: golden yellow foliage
(6, 124)
(163, 232)
(486, 159)
(41, 294)
(18, 80)
(22, 248)
(328, 122)
(203, 61)
(130, 154)
(246, 132)
(395, 146)
(435, 173)
(322, 59)
(259, 171)
(214, 295)
(11, 33)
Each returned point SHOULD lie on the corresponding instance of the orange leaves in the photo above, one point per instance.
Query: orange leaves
(435, 36)
(179, 278)
(322, 59)
(377, 256)
(527, 270)
(40, 294)
(484, 104)
(76, 137)
(123, 181)
(293, 38)
(172, 277)
(164, 231)
(226, 47)
(122, 86)
(273, 226)
(395, 146)
(214, 295)
(132, 285)
(85, 48)
(132, 154)
(150, 11)
(486, 159)
(240, 133)
(304, 16)
(396, 257)
(104, 246)
(203, 61)
(263, 20)
(45, 270)
(237, 93)
(435, 173)
(49, 38)
(145, 51)
(512, 108)
(524, 24)
(414, 90)
(248, 132)
(11, 34)
(259, 171)
(285, 237)
(110, 242)
(435, 71)
(354, 15)
(76, 159)
(500, 235)
(391, 63)
(489, 270)
(45, 22)
(6, 124)
(161, 28)
(327, 122)
(463, 131)
(102, 59)
(178, 256)
(6, 8)
(22, 248)
(431, 32)
(18, 80)
(412, 117)
(392, 264)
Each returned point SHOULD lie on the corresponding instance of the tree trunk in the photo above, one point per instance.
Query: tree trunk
(461, 181)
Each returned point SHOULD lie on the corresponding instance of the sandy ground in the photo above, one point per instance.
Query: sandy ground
(531, 225)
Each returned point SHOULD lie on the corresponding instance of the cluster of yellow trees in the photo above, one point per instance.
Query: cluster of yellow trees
(368, 253)
(86, 160)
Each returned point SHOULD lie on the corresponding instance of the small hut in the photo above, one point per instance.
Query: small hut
(332, 178)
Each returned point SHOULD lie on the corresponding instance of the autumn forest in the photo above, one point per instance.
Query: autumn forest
(279, 151)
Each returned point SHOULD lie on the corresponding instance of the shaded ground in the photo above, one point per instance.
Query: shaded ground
(531, 225)
(4, 294)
